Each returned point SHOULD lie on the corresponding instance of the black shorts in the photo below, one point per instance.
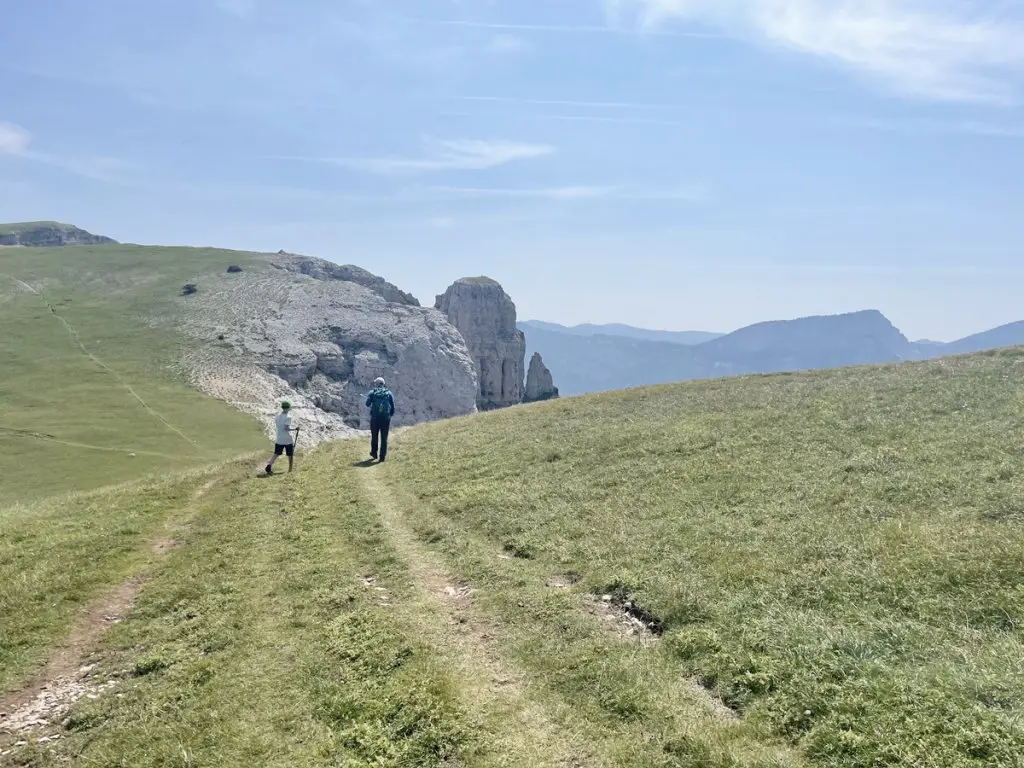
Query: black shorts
(289, 449)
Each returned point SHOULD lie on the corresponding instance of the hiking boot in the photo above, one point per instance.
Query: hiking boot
(373, 456)
(270, 470)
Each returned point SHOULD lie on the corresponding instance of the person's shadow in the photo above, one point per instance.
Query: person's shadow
(365, 464)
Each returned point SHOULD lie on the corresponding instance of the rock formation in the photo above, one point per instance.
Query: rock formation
(47, 234)
(486, 317)
(539, 383)
(326, 270)
(300, 329)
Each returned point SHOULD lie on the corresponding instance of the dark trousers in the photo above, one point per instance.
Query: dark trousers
(379, 428)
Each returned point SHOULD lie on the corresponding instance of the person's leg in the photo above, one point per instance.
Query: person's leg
(385, 428)
(270, 464)
(374, 436)
(291, 456)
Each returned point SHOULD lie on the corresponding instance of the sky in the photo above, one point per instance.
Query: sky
(679, 164)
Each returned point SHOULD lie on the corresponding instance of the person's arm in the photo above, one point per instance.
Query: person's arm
(391, 402)
(369, 399)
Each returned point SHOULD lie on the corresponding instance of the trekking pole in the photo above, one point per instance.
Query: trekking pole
(295, 444)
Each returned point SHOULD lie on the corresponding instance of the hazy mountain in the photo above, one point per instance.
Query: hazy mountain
(687, 338)
(1009, 335)
(590, 362)
(597, 363)
(813, 342)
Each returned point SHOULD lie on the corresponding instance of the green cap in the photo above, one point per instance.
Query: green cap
(285, 405)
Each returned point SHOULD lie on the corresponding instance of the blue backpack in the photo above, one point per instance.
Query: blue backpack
(381, 403)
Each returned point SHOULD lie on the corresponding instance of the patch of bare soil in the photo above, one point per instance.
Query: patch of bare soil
(625, 619)
(66, 678)
(562, 582)
(163, 546)
(382, 594)
(456, 593)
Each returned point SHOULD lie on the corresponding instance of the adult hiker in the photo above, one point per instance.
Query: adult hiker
(284, 442)
(381, 403)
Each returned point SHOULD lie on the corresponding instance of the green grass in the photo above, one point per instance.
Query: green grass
(837, 556)
(68, 421)
(57, 555)
(834, 562)
(259, 642)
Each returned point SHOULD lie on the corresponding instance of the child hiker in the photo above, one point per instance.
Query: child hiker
(284, 442)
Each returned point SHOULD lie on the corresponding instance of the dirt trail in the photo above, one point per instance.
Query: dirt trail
(66, 678)
(491, 686)
(73, 332)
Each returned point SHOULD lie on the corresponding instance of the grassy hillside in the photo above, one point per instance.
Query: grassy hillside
(87, 347)
(838, 557)
(812, 570)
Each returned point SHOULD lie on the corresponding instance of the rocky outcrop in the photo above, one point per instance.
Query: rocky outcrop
(48, 234)
(486, 317)
(305, 334)
(539, 383)
(326, 270)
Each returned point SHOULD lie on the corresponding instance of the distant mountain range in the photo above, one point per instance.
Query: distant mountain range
(595, 358)
(687, 338)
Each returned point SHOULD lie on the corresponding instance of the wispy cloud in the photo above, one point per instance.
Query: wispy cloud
(568, 103)
(558, 28)
(551, 193)
(919, 127)
(553, 118)
(578, 193)
(14, 140)
(459, 155)
(940, 49)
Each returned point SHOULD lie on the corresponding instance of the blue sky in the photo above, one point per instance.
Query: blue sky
(686, 164)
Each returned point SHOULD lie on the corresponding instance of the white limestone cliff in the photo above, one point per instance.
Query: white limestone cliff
(486, 317)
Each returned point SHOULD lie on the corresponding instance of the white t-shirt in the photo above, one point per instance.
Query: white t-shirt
(283, 422)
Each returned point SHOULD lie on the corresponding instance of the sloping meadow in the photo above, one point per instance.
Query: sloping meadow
(836, 557)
